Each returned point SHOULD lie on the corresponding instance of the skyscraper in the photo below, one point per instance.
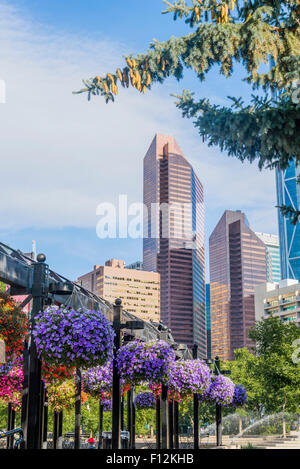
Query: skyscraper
(273, 256)
(237, 259)
(288, 193)
(174, 239)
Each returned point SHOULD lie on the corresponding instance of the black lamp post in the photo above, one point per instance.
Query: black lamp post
(116, 408)
(217, 372)
(78, 386)
(158, 433)
(31, 419)
(196, 407)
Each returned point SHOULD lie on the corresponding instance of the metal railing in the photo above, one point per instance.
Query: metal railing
(13, 444)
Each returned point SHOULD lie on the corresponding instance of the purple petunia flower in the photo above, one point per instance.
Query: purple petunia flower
(74, 338)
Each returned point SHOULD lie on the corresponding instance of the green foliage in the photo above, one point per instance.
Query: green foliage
(271, 376)
(4, 415)
(243, 371)
(278, 369)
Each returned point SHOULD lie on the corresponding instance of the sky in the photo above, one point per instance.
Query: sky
(61, 155)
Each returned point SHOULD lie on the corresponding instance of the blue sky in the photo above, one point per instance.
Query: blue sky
(63, 156)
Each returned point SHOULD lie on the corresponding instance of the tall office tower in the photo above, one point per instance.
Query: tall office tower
(174, 239)
(208, 322)
(288, 193)
(273, 256)
(237, 259)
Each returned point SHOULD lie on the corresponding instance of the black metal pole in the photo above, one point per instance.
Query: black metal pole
(39, 292)
(12, 424)
(116, 408)
(217, 372)
(132, 433)
(55, 429)
(219, 424)
(24, 409)
(122, 414)
(9, 410)
(11, 416)
(158, 442)
(42, 410)
(176, 424)
(60, 430)
(78, 385)
(129, 397)
(45, 421)
(100, 446)
(171, 424)
(196, 407)
(164, 418)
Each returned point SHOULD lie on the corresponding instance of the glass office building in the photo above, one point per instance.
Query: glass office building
(288, 193)
(237, 260)
(174, 239)
(273, 256)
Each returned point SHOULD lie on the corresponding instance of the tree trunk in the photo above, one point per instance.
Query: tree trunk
(283, 420)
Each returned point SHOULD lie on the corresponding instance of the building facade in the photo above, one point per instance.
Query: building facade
(288, 193)
(139, 290)
(273, 256)
(280, 299)
(237, 259)
(174, 239)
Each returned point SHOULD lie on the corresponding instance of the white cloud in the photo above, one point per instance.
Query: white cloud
(61, 156)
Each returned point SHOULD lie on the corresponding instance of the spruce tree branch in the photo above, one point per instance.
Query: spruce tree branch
(211, 44)
(266, 131)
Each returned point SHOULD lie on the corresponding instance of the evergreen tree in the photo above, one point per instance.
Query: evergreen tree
(227, 32)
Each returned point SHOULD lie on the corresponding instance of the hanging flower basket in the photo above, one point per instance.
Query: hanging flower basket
(61, 396)
(74, 338)
(11, 383)
(13, 325)
(221, 391)
(98, 381)
(107, 405)
(145, 400)
(239, 396)
(189, 377)
(140, 362)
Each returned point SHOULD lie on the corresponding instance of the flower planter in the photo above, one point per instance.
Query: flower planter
(140, 362)
(145, 400)
(74, 338)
